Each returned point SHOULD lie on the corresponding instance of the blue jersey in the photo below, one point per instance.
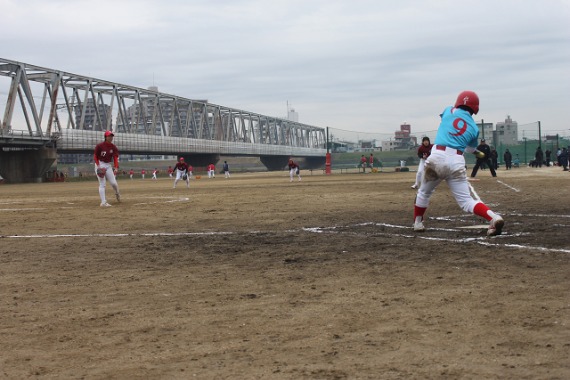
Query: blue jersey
(457, 129)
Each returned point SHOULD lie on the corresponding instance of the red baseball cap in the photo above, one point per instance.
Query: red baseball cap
(181, 158)
(109, 133)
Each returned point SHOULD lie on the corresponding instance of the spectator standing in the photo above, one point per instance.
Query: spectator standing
(539, 157)
(226, 168)
(564, 159)
(508, 158)
(547, 157)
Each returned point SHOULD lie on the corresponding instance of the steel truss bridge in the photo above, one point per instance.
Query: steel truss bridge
(52, 108)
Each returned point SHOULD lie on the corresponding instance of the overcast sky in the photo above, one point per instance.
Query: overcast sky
(355, 65)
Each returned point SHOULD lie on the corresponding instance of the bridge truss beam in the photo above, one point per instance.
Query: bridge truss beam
(52, 101)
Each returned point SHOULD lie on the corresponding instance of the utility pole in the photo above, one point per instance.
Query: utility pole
(539, 135)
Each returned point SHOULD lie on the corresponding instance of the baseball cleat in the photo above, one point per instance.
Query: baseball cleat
(419, 227)
(118, 197)
(496, 226)
(414, 186)
(105, 204)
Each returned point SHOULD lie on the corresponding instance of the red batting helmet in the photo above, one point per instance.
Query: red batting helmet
(468, 99)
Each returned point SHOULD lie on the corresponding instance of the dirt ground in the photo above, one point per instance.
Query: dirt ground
(254, 277)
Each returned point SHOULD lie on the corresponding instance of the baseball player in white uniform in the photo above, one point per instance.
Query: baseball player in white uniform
(106, 158)
(181, 169)
(457, 133)
(423, 153)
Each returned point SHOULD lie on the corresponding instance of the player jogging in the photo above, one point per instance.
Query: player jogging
(423, 153)
(211, 171)
(181, 170)
(106, 158)
(457, 133)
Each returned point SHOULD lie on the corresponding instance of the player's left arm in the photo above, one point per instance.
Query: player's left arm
(116, 162)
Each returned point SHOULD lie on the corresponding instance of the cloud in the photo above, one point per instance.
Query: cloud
(362, 64)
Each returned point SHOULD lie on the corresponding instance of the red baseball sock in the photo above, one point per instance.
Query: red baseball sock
(419, 211)
(482, 210)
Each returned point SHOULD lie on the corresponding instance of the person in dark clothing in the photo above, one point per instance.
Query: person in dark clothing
(495, 159)
(508, 158)
(483, 147)
(539, 157)
(564, 159)
(547, 155)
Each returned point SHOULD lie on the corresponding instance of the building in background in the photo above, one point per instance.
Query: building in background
(507, 132)
(292, 115)
(403, 139)
(486, 132)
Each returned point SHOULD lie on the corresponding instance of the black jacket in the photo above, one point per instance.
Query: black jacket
(485, 149)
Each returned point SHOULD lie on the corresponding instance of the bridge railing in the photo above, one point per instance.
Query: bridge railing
(18, 138)
(72, 140)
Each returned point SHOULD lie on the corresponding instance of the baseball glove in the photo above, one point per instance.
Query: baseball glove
(101, 172)
(184, 177)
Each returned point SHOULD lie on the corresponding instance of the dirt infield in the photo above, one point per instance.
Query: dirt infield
(255, 277)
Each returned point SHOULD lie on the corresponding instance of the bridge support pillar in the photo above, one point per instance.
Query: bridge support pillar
(24, 166)
(274, 163)
(314, 163)
(200, 161)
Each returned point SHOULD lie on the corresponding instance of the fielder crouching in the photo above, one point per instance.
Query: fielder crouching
(457, 133)
(182, 169)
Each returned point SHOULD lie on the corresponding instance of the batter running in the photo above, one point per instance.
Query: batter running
(457, 133)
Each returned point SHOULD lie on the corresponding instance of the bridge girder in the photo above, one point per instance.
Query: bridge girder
(80, 103)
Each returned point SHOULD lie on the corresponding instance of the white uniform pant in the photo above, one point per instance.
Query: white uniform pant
(179, 175)
(292, 173)
(211, 173)
(109, 176)
(420, 172)
(449, 166)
